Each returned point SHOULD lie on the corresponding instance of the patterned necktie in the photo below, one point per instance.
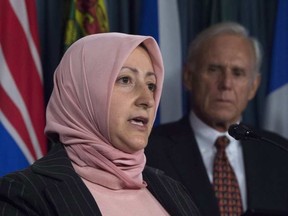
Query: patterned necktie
(225, 182)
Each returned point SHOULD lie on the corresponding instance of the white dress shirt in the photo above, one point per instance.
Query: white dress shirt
(206, 137)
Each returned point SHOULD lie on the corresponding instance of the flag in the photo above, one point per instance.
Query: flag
(160, 19)
(85, 17)
(22, 139)
(276, 116)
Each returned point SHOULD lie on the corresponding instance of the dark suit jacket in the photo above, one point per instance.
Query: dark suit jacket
(172, 147)
(51, 187)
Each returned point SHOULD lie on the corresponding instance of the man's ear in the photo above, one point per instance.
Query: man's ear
(187, 77)
(255, 85)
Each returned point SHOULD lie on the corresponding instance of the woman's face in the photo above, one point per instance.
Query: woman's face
(132, 108)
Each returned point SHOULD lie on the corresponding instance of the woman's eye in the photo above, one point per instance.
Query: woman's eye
(152, 87)
(124, 80)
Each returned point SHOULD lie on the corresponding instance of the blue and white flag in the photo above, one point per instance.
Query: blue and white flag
(276, 117)
(160, 19)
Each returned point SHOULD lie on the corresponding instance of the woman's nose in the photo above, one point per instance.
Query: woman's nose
(145, 98)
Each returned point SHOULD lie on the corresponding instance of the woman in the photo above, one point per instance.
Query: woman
(106, 92)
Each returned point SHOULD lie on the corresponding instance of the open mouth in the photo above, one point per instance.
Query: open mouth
(139, 121)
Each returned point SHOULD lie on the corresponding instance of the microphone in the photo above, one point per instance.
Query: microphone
(243, 132)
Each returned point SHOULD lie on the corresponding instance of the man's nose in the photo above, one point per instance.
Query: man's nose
(226, 80)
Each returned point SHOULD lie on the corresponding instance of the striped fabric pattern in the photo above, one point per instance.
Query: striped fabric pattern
(21, 87)
(52, 187)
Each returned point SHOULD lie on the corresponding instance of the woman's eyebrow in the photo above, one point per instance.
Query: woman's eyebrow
(149, 73)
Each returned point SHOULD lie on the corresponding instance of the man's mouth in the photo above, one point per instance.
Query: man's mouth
(224, 100)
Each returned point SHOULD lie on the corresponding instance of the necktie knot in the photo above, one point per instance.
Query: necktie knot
(221, 143)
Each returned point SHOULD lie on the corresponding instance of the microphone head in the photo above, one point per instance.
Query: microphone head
(241, 131)
(235, 131)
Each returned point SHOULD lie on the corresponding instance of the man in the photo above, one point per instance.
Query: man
(222, 75)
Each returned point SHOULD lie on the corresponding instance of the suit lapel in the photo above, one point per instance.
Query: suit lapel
(71, 198)
(68, 193)
(192, 171)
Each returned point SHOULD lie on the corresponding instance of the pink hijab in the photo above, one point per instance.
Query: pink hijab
(78, 109)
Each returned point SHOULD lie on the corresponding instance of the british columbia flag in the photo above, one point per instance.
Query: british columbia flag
(22, 119)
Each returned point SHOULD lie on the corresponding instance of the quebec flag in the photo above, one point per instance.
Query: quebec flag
(277, 99)
(160, 19)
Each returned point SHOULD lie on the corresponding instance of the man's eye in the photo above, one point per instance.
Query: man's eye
(152, 87)
(213, 69)
(238, 72)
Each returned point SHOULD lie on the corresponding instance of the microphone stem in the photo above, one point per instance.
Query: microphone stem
(274, 143)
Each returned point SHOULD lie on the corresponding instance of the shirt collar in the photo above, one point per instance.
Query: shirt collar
(205, 134)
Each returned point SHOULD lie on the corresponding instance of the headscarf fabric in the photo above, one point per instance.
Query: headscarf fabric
(78, 109)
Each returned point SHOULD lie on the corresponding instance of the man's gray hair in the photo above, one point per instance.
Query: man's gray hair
(223, 28)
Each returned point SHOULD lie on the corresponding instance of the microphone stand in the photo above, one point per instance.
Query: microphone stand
(243, 132)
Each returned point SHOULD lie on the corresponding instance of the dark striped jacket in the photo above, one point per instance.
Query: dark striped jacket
(51, 187)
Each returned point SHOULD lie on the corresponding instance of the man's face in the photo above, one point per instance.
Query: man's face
(223, 81)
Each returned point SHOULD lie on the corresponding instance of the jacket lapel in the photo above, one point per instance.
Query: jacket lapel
(68, 193)
(192, 171)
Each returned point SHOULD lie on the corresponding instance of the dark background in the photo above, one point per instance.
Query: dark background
(195, 15)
